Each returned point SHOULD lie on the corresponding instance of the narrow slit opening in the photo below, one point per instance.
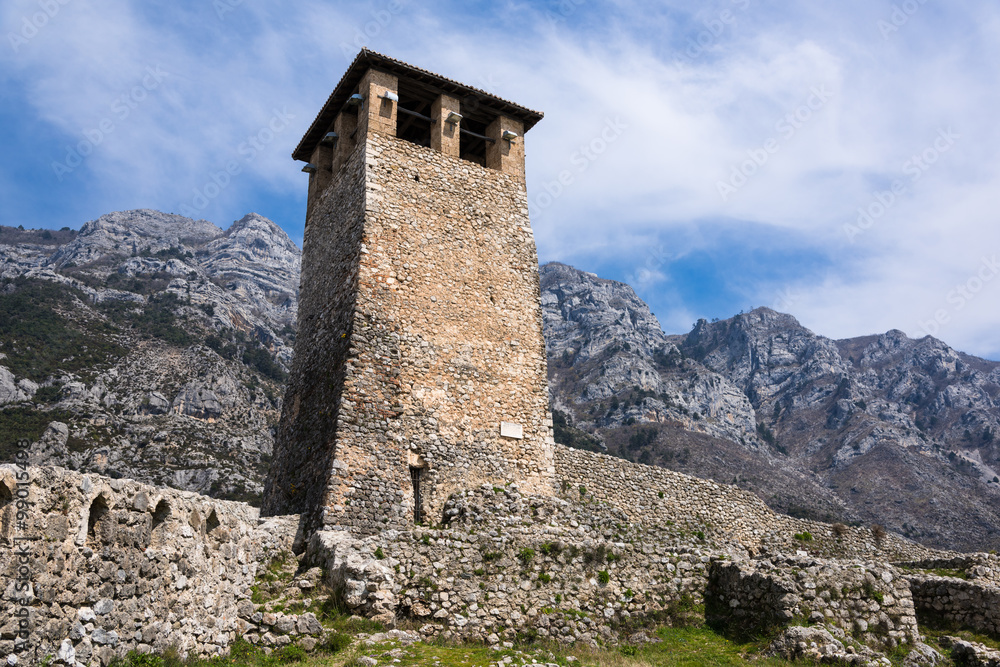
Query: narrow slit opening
(415, 478)
(98, 514)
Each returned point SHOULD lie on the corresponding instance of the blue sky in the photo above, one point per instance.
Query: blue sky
(832, 160)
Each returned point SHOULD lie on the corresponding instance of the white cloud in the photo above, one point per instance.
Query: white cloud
(680, 123)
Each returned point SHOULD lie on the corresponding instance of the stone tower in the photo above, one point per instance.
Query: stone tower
(420, 364)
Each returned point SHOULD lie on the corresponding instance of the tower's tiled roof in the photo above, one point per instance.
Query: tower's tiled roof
(367, 59)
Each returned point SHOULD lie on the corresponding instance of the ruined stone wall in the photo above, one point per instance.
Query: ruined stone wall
(983, 568)
(96, 567)
(575, 567)
(949, 602)
(508, 563)
(867, 599)
(656, 496)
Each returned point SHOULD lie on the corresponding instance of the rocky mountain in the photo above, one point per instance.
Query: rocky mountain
(148, 346)
(154, 347)
(876, 430)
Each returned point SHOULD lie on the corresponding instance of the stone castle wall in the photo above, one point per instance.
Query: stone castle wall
(509, 564)
(657, 496)
(983, 568)
(949, 602)
(161, 567)
(95, 567)
(870, 599)
(600, 562)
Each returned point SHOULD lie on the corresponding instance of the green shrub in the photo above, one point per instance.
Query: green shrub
(337, 642)
(156, 319)
(379, 553)
(603, 576)
(136, 659)
(243, 651)
(261, 360)
(25, 423)
(873, 594)
(291, 653)
(545, 577)
(50, 394)
(525, 555)
(566, 434)
(804, 536)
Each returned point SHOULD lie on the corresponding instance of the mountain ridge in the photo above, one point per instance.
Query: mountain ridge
(153, 346)
(827, 413)
(191, 328)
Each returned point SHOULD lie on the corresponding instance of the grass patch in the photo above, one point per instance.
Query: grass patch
(945, 572)
(241, 653)
(933, 635)
(677, 647)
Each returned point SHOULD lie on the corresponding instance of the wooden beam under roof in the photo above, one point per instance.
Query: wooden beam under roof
(485, 109)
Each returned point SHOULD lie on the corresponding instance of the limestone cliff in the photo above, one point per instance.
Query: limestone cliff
(148, 346)
(878, 430)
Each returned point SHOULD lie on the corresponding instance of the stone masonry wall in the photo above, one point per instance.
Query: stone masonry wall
(304, 446)
(95, 567)
(656, 496)
(446, 342)
(508, 563)
(576, 567)
(950, 602)
(871, 600)
(983, 568)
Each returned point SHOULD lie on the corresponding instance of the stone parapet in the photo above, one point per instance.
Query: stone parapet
(97, 567)
(867, 599)
(949, 602)
(657, 496)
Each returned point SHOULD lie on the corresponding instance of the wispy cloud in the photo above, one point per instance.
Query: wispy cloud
(692, 92)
